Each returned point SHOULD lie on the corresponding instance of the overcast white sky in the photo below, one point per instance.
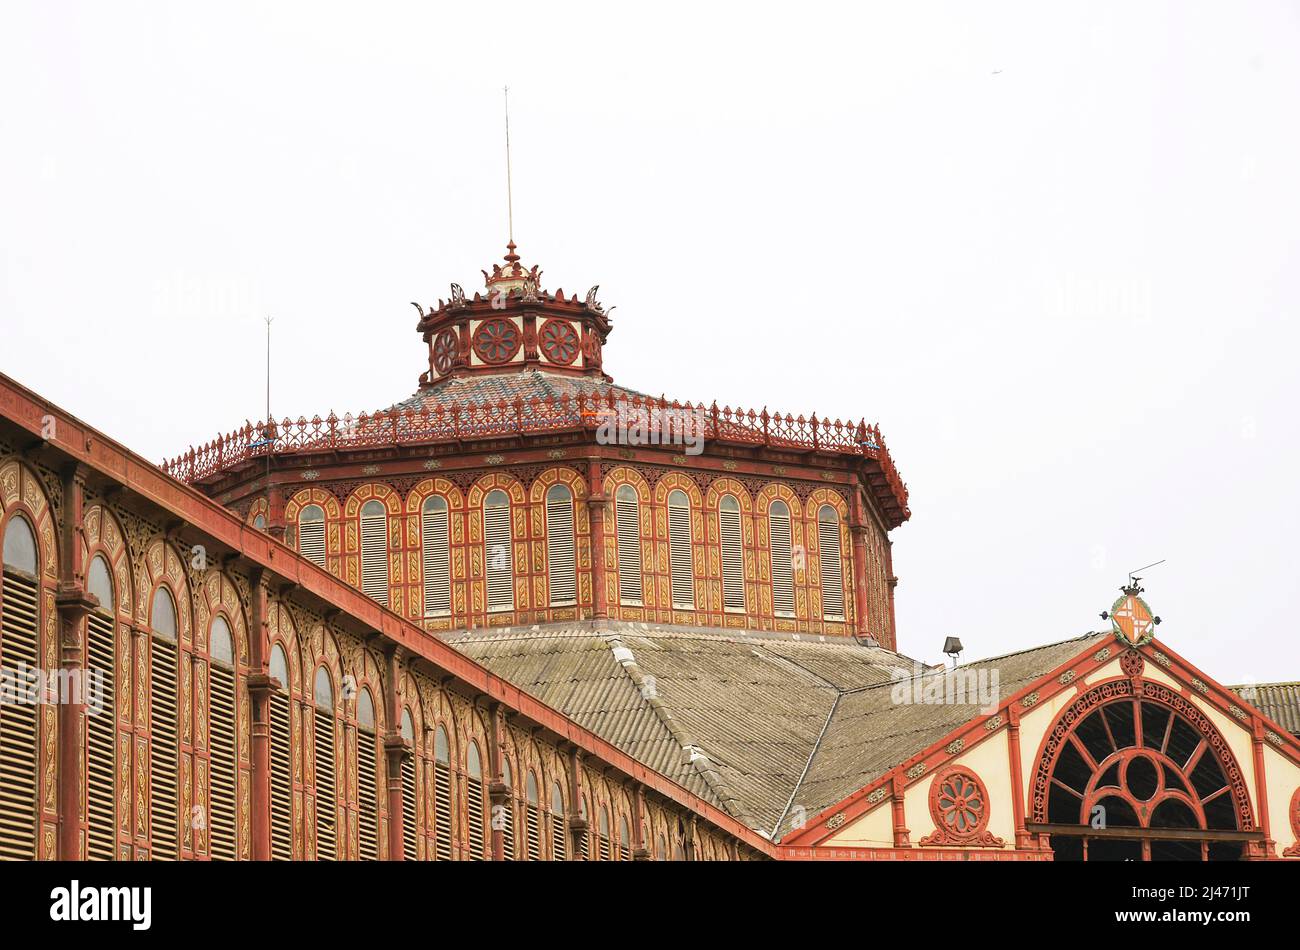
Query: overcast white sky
(1052, 251)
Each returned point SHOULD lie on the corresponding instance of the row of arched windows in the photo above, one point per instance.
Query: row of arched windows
(166, 751)
(785, 555)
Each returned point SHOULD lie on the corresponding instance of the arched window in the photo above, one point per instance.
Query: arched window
(679, 550)
(1161, 779)
(410, 802)
(223, 770)
(442, 795)
(323, 749)
(498, 551)
(832, 572)
(661, 853)
(474, 802)
(164, 714)
(561, 563)
(604, 834)
(435, 545)
(374, 551)
(20, 622)
(627, 515)
(733, 554)
(311, 534)
(506, 822)
(101, 719)
(778, 520)
(281, 760)
(559, 843)
(367, 779)
(624, 840)
(532, 819)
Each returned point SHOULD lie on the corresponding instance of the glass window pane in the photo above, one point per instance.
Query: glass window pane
(20, 546)
(323, 689)
(280, 666)
(365, 710)
(163, 617)
(219, 642)
(441, 748)
(99, 581)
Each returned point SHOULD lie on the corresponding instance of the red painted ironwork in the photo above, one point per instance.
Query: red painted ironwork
(959, 805)
(552, 414)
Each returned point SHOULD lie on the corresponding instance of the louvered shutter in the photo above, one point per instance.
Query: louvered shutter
(311, 539)
(499, 555)
(374, 552)
(559, 843)
(101, 743)
(733, 556)
(326, 813)
(281, 780)
(18, 644)
(561, 564)
(367, 796)
(533, 833)
(628, 517)
(604, 847)
(832, 574)
(436, 543)
(410, 829)
(442, 810)
(163, 792)
(679, 550)
(222, 771)
(474, 806)
(782, 559)
(508, 829)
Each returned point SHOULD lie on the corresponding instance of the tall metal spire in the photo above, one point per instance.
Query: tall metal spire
(510, 203)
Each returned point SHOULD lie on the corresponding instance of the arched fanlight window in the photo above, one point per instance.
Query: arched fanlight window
(323, 749)
(442, 795)
(20, 623)
(435, 546)
(410, 803)
(311, 534)
(733, 554)
(778, 519)
(559, 843)
(503, 815)
(223, 774)
(20, 547)
(679, 550)
(561, 562)
(374, 551)
(164, 715)
(101, 730)
(474, 802)
(624, 839)
(367, 778)
(832, 572)
(627, 515)
(532, 819)
(99, 581)
(281, 760)
(498, 551)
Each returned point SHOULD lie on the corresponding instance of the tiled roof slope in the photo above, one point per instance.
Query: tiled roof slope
(758, 723)
(528, 384)
(1279, 701)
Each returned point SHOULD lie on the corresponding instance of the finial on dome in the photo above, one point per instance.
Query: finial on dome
(511, 256)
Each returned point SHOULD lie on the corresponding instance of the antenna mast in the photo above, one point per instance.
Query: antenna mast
(510, 202)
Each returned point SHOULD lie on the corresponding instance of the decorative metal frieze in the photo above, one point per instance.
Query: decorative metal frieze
(1066, 677)
(1029, 700)
(1200, 685)
(494, 459)
(993, 722)
(1273, 737)
(310, 475)
(1132, 663)
(432, 465)
(955, 746)
(878, 796)
(1102, 655)
(1161, 658)
(556, 454)
(371, 470)
(916, 771)
(835, 821)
